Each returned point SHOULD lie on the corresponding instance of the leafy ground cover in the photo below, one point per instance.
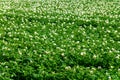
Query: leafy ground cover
(59, 39)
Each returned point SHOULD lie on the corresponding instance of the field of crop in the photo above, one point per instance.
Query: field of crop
(59, 39)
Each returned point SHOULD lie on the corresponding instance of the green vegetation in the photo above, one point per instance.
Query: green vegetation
(59, 39)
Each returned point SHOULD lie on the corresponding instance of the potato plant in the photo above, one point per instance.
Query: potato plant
(59, 39)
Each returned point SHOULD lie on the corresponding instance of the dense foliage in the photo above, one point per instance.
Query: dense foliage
(59, 39)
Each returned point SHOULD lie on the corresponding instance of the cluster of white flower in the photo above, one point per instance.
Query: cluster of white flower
(83, 53)
(118, 56)
(67, 67)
